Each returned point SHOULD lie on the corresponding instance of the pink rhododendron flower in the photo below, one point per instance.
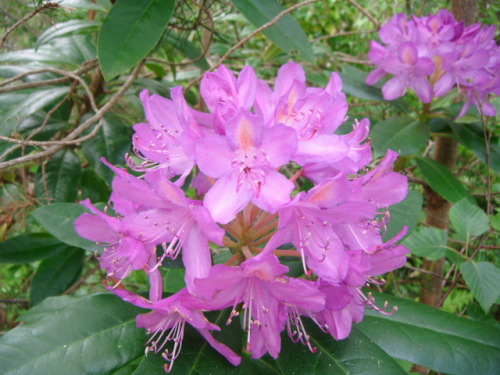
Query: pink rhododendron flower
(433, 55)
(231, 181)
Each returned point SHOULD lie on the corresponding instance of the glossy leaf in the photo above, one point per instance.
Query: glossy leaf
(434, 339)
(61, 180)
(21, 104)
(95, 334)
(406, 213)
(442, 181)
(69, 27)
(82, 4)
(58, 219)
(353, 81)
(286, 33)
(56, 274)
(129, 32)
(112, 142)
(356, 355)
(468, 220)
(94, 187)
(69, 51)
(187, 48)
(28, 248)
(483, 278)
(427, 242)
(401, 134)
(473, 138)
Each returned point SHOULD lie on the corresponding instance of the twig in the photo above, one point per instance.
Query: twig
(366, 13)
(343, 33)
(26, 18)
(80, 129)
(250, 36)
(91, 64)
(206, 45)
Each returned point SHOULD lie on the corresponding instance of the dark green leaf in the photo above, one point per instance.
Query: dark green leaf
(129, 32)
(95, 334)
(434, 339)
(473, 138)
(356, 355)
(94, 187)
(483, 278)
(468, 220)
(173, 280)
(64, 28)
(112, 142)
(442, 181)
(197, 356)
(61, 180)
(406, 213)
(58, 219)
(286, 33)
(354, 84)
(54, 275)
(401, 134)
(187, 48)
(24, 103)
(70, 51)
(427, 242)
(28, 248)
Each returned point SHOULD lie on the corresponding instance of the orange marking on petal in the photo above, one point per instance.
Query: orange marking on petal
(245, 135)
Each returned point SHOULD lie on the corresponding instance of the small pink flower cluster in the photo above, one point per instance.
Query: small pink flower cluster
(250, 152)
(434, 54)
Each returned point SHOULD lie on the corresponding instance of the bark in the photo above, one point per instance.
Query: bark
(445, 151)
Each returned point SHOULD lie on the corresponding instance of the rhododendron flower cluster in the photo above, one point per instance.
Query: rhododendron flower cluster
(244, 163)
(433, 55)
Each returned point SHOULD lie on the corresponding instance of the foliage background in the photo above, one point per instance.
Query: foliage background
(69, 85)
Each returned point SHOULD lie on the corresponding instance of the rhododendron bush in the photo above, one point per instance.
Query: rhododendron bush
(193, 187)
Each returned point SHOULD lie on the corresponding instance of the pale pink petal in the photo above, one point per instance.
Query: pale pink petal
(224, 200)
(275, 193)
(214, 156)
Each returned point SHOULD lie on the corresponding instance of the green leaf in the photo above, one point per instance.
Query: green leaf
(442, 181)
(81, 4)
(427, 242)
(401, 134)
(286, 33)
(129, 32)
(473, 138)
(356, 355)
(58, 219)
(187, 48)
(68, 52)
(483, 278)
(173, 279)
(405, 213)
(62, 178)
(95, 334)
(54, 275)
(353, 81)
(24, 103)
(28, 248)
(94, 187)
(112, 142)
(432, 338)
(64, 28)
(468, 220)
